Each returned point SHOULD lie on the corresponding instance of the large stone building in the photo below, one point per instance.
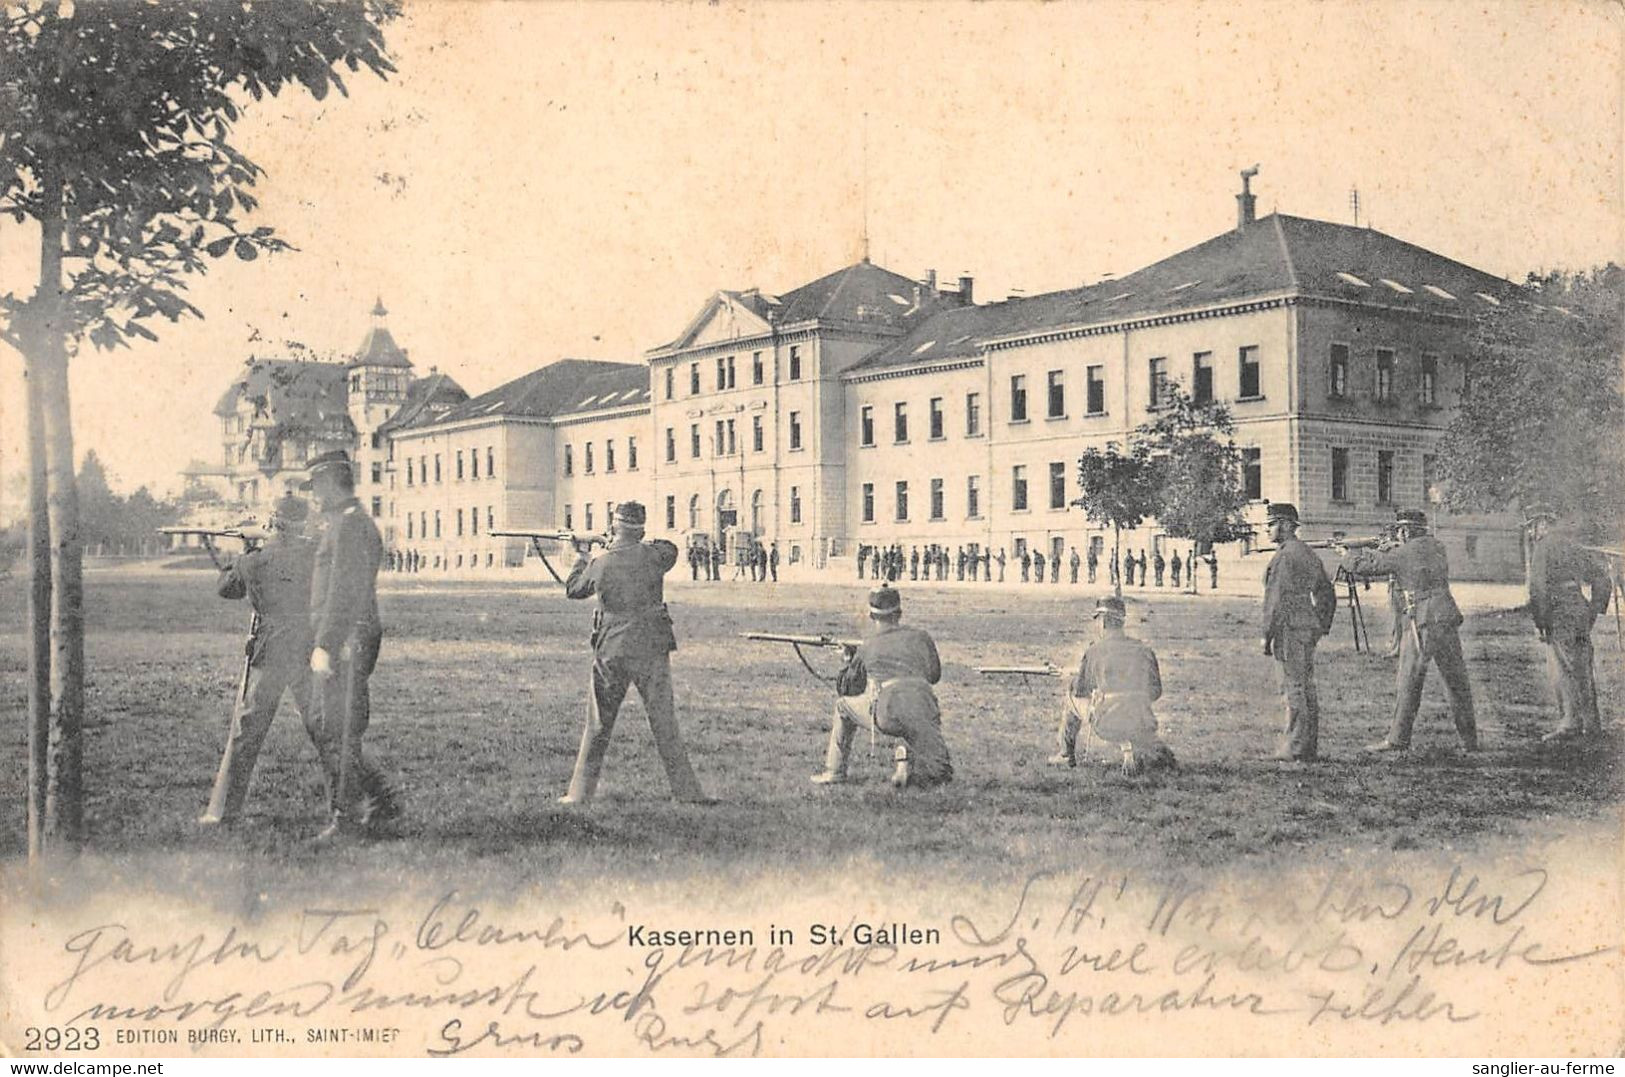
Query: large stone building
(867, 407)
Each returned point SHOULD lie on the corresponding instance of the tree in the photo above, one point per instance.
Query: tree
(1199, 493)
(115, 143)
(1117, 488)
(1543, 419)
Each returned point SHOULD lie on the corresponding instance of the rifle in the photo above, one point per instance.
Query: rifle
(1045, 670)
(581, 542)
(847, 646)
(249, 537)
(1616, 573)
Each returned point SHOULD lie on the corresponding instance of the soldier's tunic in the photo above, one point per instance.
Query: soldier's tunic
(276, 579)
(344, 623)
(632, 641)
(1299, 605)
(1118, 679)
(1421, 569)
(1177, 566)
(892, 672)
(1559, 574)
(1074, 562)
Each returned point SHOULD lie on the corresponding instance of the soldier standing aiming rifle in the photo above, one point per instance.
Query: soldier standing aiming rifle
(1559, 575)
(1299, 606)
(632, 641)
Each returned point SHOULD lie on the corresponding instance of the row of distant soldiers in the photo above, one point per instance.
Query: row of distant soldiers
(761, 563)
(888, 563)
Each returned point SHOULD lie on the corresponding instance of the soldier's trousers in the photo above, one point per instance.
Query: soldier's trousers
(1569, 664)
(354, 785)
(1125, 720)
(922, 733)
(1295, 667)
(610, 681)
(251, 721)
(1396, 611)
(1441, 645)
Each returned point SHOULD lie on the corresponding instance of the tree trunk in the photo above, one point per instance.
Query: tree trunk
(39, 624)
(1117, 558)
(64, 793)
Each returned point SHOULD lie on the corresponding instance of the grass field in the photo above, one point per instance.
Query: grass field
(479, 697)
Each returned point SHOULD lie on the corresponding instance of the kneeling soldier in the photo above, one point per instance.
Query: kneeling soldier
(886, 685)
(1118, 679)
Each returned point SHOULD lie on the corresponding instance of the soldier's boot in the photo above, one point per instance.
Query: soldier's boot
(344, 827)
(1132, 766)
(829, 777)
(900, 776)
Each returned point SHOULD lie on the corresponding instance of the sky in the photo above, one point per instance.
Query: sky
(544, 180)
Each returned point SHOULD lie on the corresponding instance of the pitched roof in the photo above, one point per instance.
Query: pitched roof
(562, 387)
(293, 394)
(378, 348)
(1276, 255)
(427, 399)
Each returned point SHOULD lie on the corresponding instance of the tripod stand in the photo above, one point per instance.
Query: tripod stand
(1362, 639)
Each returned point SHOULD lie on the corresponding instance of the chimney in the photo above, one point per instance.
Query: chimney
(966, 295)
(1246, 203)
(931, 279)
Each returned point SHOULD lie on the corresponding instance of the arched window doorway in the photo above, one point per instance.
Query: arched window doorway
(694, 513)
(727, 513)
(756, 513)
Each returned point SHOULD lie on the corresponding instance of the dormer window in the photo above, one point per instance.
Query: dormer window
(1350, 278)
(1394, 285)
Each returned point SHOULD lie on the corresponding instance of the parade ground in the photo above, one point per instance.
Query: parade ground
(479, 696)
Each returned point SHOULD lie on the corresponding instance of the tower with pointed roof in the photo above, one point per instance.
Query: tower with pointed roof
(377, 380)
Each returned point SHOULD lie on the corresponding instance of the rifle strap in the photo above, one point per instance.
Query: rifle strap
(809, 666)
(536, 544)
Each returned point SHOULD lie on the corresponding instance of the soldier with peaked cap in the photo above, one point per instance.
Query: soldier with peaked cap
(1118, 680)
(1560, 574)
(347, 633)
(276, 580)
(632, 641)
(886, 685)
(1299, 606)
(1430, 619)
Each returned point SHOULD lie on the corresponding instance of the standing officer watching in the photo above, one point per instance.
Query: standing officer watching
(886, 684)
(1559, 574)
(1430, 618)
(632, 641)
(1299, 606)
(1118, 679)
(347, 632)
(276, 579)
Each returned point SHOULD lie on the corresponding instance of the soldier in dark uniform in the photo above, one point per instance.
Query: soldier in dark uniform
(1074, 562)
(632, 641)
(863, 554)
(1038, 566)
(1128, 569)
(773, 560)
(1140, 570)
(1160, 566)
(1422, 571)
(347, 632)
(716, 561)
(1001, 564)
(1175, 566)
(1560, 573)
(1092, 562)
(1299, 606)
(987, 565)
(276, 579)
(1026, 565)
(1213, 570)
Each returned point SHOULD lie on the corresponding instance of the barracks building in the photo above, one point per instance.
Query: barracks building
(867, 407)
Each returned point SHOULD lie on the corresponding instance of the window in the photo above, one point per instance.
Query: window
(377, 506)
(437, 468)
(474, 520)
(936, 499)
(377, 473)
(936, 418)
(868, 502)
(609, 454)
(733, 445)
(409, 471)
(1056, 387)
(719, 441)
(671, 445)
(1250, 387)
(459, 465)
(1202, 378)
(731, 372)
(1057, 486)
(569, 461)
(902, 501)
(795, 504)
(900, 422)
(423, 470)
(490, 517)
(409, 527)
(473, 463)
(1252, 474)
(355, 383)
(671, 512)
(569, 519)
(693, 379)
(1466, 379)
(694, 440)
(1018, 398)
(587, 508)
(1097, 390)
(795, 430)
(423, 524)
(973, 496)
(1428, 388)
(757, 435)
(866, 425)
(1340, 474)
(1018, 488)
(671, 381)
(756, 368)
(459, 523)
(722, 373)
(1385, 478)
(795, 362)
(1337, 381)
(1385, 376)
(973, 414)
(436, 523)
(631, 453)
(694, 513)
(588, 459)
(1430, 479)
(1159, 383)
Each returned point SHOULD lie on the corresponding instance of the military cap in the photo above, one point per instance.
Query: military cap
(327, 461)
(884, 599)
(291, 510)
(1538, 511)
(1110, 606)
(1281, 510)
(631, 514)
(1411, 518)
